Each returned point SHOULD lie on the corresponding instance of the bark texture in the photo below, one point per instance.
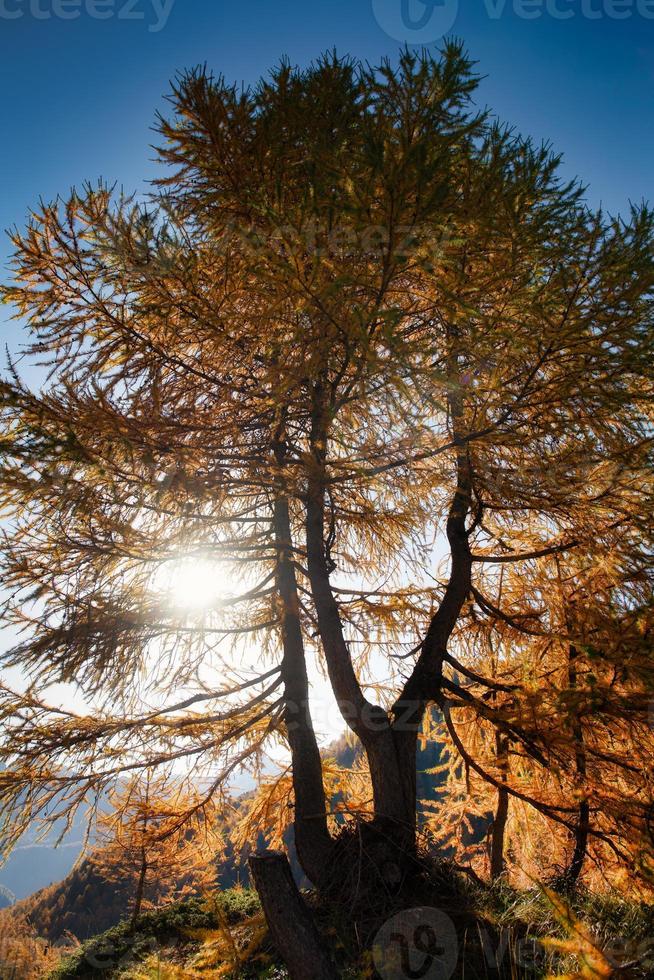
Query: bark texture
(497, 862)
(290, 922)
(312, 838)
(574, 869)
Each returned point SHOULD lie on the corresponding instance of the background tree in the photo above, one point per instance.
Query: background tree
(140, 837)
(24, 954)
(366, 348)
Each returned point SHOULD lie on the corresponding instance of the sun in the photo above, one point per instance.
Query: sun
(195, 584)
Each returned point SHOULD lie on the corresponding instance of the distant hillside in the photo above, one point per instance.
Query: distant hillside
(35, 864)
(84, 904)
(7, 899)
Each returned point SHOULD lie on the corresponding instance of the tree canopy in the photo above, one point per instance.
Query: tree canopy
(365, 353)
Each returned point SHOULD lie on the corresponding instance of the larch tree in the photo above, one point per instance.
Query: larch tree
(365, 354)
(141, 839)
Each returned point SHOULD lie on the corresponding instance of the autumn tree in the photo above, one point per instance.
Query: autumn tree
(141, 838)
(24, 953)
(365, 354)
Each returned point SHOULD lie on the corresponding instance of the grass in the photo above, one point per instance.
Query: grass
(621, 931)
(178, 931)
(499, 930)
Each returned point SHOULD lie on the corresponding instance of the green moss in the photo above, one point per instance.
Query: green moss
(116, 948)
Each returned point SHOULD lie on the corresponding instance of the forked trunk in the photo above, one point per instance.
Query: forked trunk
(388, 752)
(389, 739)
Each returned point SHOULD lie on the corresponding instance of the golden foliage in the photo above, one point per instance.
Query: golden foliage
(366, 351)
(22, 953)
(165, 838)
(594, 965)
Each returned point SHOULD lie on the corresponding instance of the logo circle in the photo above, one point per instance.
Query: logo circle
(415, 21)
(420, 944)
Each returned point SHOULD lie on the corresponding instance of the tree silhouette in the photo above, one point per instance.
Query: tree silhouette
(367, 354)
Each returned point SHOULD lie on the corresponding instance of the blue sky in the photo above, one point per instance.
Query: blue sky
(81, 79)
(80, 90)
(79, 94)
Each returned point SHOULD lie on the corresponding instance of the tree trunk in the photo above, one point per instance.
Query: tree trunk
(143, 870)
(575, 867)
(394, 801)
(425, 684)
(312, 839)
(140, 888)
(581, 843)
(370, 722)
(390, 740)
(290, 922)
(497, 863)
